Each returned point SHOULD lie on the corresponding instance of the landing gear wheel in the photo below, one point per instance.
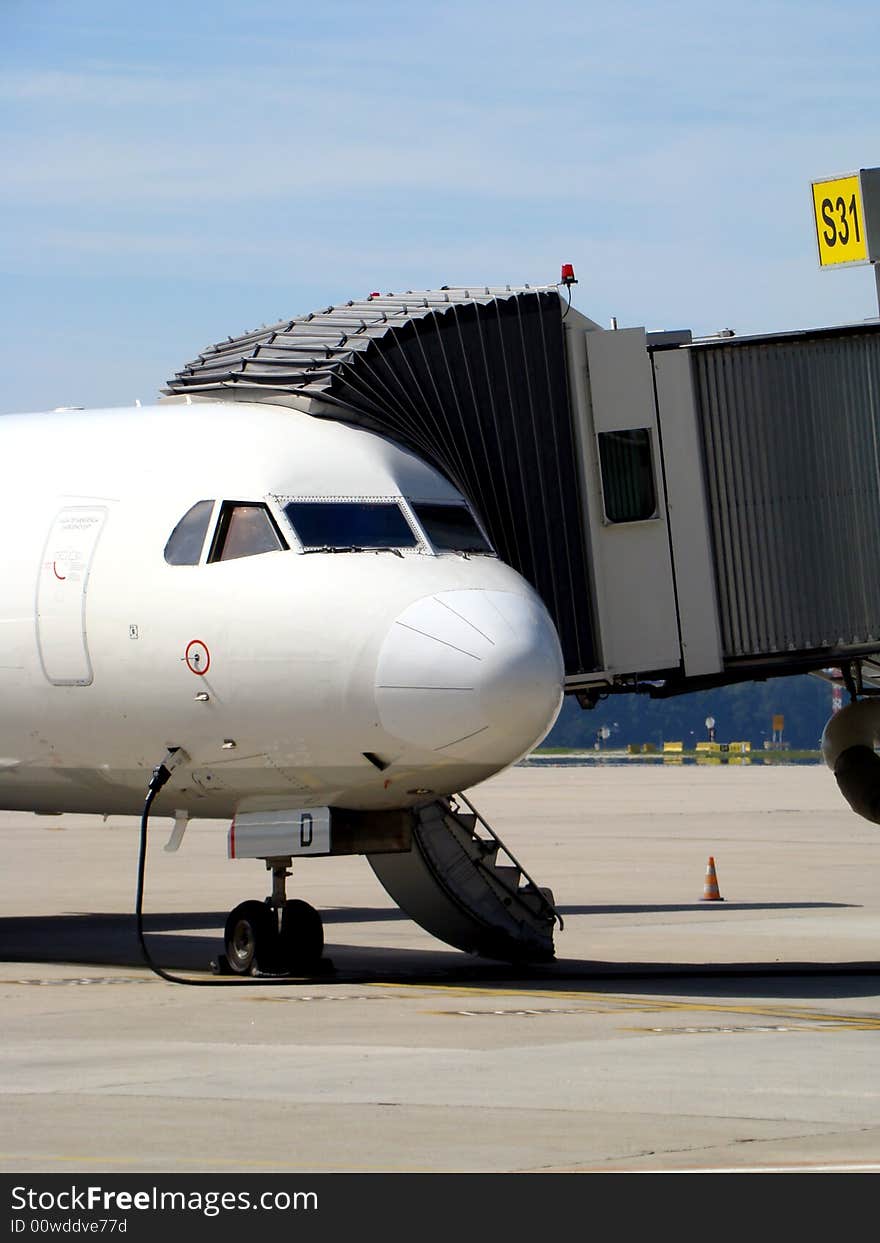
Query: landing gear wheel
(302, 936)
(250, 937)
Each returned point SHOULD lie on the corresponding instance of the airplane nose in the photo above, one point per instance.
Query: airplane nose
(474, 675)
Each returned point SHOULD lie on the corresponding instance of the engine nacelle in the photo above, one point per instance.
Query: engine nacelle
(848, 743)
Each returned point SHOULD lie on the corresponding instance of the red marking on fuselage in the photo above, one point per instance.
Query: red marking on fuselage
(192, 660)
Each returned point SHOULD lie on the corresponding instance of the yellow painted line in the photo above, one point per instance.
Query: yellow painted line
(796, 1026)
(799, 1024)
(523, 1013)
(623, 1005)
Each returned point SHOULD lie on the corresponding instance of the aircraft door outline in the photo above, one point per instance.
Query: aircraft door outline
(62, 588)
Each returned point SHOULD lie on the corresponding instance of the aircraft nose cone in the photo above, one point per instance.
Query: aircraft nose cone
(473, 675)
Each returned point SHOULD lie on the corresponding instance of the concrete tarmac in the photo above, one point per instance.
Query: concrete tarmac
(668, 1034)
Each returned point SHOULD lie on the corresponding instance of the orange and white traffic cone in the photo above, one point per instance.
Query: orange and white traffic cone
(710, 888)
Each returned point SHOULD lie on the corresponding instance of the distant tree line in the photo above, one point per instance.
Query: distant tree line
(742, 713)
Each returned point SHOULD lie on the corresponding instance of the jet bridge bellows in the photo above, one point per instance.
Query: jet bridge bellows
(473, 381)
(692, 513)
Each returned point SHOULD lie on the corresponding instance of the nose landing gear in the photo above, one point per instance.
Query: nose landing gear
(281, 936)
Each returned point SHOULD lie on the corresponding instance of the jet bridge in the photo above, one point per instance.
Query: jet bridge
(692, 512)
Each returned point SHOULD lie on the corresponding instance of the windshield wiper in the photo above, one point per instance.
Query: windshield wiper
(335, 548)
(352, 548)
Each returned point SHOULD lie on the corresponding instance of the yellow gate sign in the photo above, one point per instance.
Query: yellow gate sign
(846, 217)
(840, 221)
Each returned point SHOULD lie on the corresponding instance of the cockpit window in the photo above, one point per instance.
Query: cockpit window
(184, 545)
(244, 531)
(451, 528)
(349, 526)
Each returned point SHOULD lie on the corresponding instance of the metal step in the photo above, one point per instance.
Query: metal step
(467, 889)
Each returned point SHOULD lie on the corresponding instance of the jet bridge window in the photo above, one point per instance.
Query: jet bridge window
(185, 542)
(350, 526)
(244, 531)
(451, 528)
(627, 475)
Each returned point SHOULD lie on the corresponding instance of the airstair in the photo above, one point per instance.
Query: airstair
(462, 884)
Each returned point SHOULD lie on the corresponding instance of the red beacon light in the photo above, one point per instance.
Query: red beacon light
(568, 277)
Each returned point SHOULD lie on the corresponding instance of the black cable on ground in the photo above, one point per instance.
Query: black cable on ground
(159, 777)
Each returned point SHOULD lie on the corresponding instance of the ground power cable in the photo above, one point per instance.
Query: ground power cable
(160, 775)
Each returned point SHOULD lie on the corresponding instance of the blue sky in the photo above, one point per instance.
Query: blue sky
(177, 172)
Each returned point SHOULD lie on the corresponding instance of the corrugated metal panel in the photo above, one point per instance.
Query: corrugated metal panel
(474, 381)
(789, 430)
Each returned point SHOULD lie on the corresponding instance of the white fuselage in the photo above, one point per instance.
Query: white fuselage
(279, 674)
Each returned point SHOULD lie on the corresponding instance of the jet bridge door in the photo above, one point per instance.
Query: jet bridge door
(62, 587)
(624, 491)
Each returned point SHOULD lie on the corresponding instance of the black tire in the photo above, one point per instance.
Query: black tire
(302, 936)
(250, 937)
